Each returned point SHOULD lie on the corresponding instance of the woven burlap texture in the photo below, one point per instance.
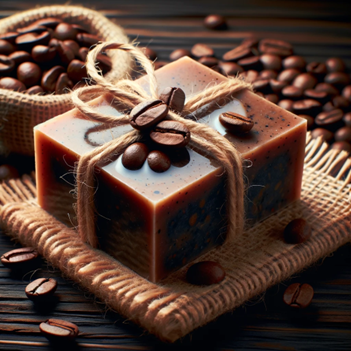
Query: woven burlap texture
(173, 308)
(19, 112)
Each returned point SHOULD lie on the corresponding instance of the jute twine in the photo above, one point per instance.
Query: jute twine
(20, 112)
(257, 260)
(129, 94)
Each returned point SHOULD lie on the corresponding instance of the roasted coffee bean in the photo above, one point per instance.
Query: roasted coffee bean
(20, 56)
(230, 68)
(291, 92)
(171, 133)
(325, 134)
(268, 74)
(328, 106)
(250, 76)
(49, 22)
(335, 64)
(85, 39)
(297, 231)
(275, 47)
(8, 172)
(200, 50)
(27, 41)
(343, 134)
(277, 86)
(236, 123)
(12, 84)
(134, 156)
(330, 119)
(63, 84)
(9, 37)
(58, 329)
(66, 54)
(294, 61)
(174, 98)
(307, 107)
(272, 62)
(340, 102)
(33, 28)
(272, 98)
(250, 42)
(338, 79)
(298, 295)
(252, 62)
(262, 85)
(317, 68)
(309, 119)
(151, 54)
(76, 70)
(179, 157)
(288, 75)
(41, 289)
(73, 45)
(205, 273)
(43, 53)
(83, 53)
(79, 28)
(147, 114)
(65, 31)
(35, 90)
(6, 48)
(6, 65)
(208, 61)
(160, 64)
(305, 81)
(158, 161)
(320, 96)
(328, 88)
(238, 53)
(341, 146)
(29, 73)
(216, 22)
(19, 258)
(178, 53)
(347, 119)
(346, 93)
(49, 78)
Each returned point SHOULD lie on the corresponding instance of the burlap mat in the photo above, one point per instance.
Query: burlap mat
(173, 308)
(19, 112)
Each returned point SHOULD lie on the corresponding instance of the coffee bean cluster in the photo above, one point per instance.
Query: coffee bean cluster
(320, 92)
(166, 138)
(46, 57)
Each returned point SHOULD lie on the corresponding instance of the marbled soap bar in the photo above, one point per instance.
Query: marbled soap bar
(156, 223)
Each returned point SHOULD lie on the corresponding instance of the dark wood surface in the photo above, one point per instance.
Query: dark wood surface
(318, 30)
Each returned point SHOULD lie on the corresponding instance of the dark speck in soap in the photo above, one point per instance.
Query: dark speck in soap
(156, 192)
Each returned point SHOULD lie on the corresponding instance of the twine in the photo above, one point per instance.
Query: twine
(129, 94)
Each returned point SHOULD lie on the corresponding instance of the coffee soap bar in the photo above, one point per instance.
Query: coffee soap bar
(157, 222)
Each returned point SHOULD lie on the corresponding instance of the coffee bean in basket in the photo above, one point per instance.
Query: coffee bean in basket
(298, 295)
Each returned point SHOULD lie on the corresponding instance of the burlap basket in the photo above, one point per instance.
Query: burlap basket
(253, 263)
(19, 112)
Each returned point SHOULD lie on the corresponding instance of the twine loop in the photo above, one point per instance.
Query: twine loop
(129, 94)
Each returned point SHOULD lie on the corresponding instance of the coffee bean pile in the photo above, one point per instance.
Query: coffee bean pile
(320, 92)
(46, 57)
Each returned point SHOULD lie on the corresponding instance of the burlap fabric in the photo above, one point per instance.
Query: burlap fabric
(173, 308)
(19, 112)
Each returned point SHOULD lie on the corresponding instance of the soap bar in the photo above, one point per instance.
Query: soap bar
(155, 223)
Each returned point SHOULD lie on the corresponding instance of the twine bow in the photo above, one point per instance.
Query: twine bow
(129, 94)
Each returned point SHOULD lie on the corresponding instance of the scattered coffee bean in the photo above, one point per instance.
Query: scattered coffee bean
(216, 22)
(200, 50)
(305, 81)
(268, 74)
(171, 133)
(151, 54)
(147, 114)
(134, 156)
(286, 104)
(338, 79)
(292, 92)
(328, 88)
(238, 53)
(275, 47)
(288, 75)
(298, 295)
(208, 61)
(294, 61)
(346, 93)
(58, 329)
(272, 98)
(307, 106)
(309, 119)
(41, 289)
(341, 145)
(343, 134)
(317, 68)
(250, 75)
(158, 161)
(277, 86)
(235, 122)
(174, 98)
(230, 68)
(325, 134)
(330, 119)
(6, 65)
(262, 85)
(160, 64)
(347, 119)
(335, 64)
(297, 231)
(19, 258)
(205, 273)
(270, 61)
(177, 54)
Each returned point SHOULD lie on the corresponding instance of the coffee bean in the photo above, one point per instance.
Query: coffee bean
(325, 134)
(250, 76)
(200, 50)
(41, 289)
(83, 53)
(58, 329)
(151, 54)
(340, 102)
(272, 62)
(252, 62)
(158, 161)
(73, 45)
(76, 70)
(6, 48)
(341, 146)
(317, 68)
(178, 53)
(307, 107)
(43, 53)
(49, 22)
(268, 74)
(347, 119)
(343, 134)
(205, 273)
(330, 119)
(9, 37)
(19, 258)
(134, 156)
(286, 104)
(208, 61)
(346, 93)
(20, 56)
(171, 133)
(49, 78)
(29, 73)
(291, 92)
(230, 68)
(63, 84)
(262, 85)
(179, 157)
(272, 98)
(8, 172)
(216, 22)
(85, 39)
(33, 28)
(238, 53)
(174, 98)
(309, 119)
(65, 31)
(79, 28)
(338, 79)
(335, 64)
(66, 54)
(275, 47)
(12, 84)
(236, 123)
(27, 41)
(6, 65)
(277, 86)
(298, 295)
(320, 96)
(160, 64)
(328, 88)
(294, 61)
(147, 114)
(305, 81)
(288, 75)
(297, 231)
(35, 90)
(250, 43)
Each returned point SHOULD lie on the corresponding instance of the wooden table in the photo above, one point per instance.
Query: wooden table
(318, 30)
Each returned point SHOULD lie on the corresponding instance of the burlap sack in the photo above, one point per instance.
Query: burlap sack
(19, 112)
(173, 308)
